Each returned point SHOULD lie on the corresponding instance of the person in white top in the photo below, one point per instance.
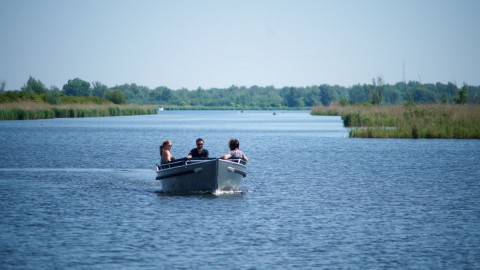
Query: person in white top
(235, 152)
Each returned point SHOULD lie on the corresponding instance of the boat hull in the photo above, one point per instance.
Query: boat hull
(201, 175)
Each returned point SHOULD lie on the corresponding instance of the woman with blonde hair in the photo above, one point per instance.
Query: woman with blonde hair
(165, 155)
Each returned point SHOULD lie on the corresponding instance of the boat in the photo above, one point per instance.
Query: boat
(201, 175)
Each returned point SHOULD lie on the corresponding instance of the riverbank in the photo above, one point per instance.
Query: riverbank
(408, 121)
(27, 110)
(231, 108)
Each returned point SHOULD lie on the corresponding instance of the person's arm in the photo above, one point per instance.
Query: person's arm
(227, 156)
(245, 158)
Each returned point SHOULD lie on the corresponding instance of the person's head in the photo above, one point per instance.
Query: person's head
(166, 145)
(200, 143)
(233, 144)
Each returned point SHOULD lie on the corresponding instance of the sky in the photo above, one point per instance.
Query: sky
(220, 43)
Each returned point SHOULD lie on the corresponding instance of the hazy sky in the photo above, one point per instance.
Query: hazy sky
(207, 43)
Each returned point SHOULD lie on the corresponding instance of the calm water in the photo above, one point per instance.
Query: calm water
(81, 194)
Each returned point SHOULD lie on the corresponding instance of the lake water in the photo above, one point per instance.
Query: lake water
(81, 194)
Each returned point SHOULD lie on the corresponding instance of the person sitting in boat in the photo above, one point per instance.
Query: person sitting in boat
(198, 152)
(165, 155)
(235, 152)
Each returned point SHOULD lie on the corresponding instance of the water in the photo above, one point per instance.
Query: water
(81, 194)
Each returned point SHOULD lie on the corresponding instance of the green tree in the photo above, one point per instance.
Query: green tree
(292, 96)
(462, 95)
(444, 98)
(451, 89)
(34, 86)
(343, 101)
(53, 96)
(326, 95)
(408, 93)
(135, 93)
(423, 93)
(116, 96)
(359, 93)
(391, 95)
(2, 86)
(99, 89)
(376, 91)
(163, 95)
(77, 87)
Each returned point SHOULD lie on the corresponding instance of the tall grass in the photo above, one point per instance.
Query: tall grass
(409, 121)
(29, 110)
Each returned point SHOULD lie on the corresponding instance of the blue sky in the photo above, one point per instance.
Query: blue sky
(209, 43)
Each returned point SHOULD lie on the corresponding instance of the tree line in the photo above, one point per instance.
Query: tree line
(259, 97)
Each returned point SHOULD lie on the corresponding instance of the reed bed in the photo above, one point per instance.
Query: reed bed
(408, 121)
(29, 110)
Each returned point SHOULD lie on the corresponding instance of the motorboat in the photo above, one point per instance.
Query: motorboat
(192, 175)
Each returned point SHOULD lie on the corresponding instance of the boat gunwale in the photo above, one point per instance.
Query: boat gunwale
(192, 161)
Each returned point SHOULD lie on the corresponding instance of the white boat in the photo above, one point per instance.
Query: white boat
(201, 175)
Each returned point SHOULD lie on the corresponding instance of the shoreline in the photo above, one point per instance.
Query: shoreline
(29, 110)
(35, 111)
(429, 121)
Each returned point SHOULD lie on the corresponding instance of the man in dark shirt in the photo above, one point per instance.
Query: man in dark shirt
(198, 152)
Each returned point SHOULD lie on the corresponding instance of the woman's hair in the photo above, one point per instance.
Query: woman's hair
(164, 144)
(233, 144)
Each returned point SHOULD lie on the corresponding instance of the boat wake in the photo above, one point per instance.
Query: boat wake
(229, 192)
(216, 193)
